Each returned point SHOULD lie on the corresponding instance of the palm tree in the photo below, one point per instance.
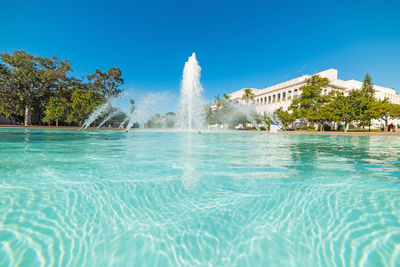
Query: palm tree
(226, 97)
(132, 101)
(248, 95)
(218, 102)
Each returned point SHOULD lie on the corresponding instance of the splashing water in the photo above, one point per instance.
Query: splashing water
(191, 103)
(191, 113)
(238, 108)
(96, 113)
(249, 111)
(110, 116)
(123, 122)
(147, 105)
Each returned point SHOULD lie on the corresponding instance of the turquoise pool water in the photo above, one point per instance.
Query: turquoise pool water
(107, 198)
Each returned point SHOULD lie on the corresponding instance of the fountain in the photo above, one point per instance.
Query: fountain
(191, 111)
(191, 103)
(146, 106)
(96, 113)
(110, 116)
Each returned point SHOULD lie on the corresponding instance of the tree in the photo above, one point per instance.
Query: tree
(367, 100)
(82, 104)
(56, 110)
(132, 101)
(107, 83)
(329, 111)
(343, 108)
(9, 101)
(226, 97)
(170, 119)
(218, 102)
(29, 78)
(311, 101)
(248, 95)
(210, 115)
(368, 87)
(386, 111)
(285, 116)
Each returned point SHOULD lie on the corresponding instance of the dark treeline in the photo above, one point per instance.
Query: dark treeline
(37, 90)
(316, 108)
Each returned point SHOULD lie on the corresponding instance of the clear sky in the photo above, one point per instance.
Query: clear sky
(238, 43)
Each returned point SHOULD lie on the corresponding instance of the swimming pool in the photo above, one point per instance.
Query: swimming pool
(164, 198)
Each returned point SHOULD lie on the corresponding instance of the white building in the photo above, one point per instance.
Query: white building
(280, 95)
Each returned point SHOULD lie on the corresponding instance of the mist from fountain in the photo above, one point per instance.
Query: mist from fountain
(110, 116)
(191, 106)
(191, 101)
(123, 122)
(146, 106)
(96, 113)
(236, 109)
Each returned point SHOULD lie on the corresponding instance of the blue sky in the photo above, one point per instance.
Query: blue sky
(238, 43)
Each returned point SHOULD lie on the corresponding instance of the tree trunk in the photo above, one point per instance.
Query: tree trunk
(57, 122)
(28, 115)
(346, 126)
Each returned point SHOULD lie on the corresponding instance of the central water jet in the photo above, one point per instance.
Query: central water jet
(191, 101)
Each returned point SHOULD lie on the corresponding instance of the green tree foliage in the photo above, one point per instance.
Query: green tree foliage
(210, 114)
(248, 95)
(9, 100)
(367, 101)
(40, 89)
(226, 97)
(285, 117)
(345, 110)
(82, 104)
(386, 111)
(170, 118)
(367, 88)
(159, 121)
(311, 101)
(107, 83)
(56, 110)
(30, 79)
(220, 111)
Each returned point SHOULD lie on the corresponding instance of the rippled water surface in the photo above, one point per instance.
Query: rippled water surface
(107, 198)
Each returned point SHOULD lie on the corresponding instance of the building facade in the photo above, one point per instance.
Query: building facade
(271, 98)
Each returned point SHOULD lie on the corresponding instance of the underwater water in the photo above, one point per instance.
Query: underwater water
(160, 198)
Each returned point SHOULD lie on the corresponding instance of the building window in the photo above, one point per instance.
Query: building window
(273, 98)
(265, 100)
(269, 99)
(284, 96)
(279, 97)
(295, 93)
(289, 95)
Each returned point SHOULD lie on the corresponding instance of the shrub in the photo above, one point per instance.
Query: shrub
(307, 128)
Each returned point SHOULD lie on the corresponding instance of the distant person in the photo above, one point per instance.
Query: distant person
(391, 127)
